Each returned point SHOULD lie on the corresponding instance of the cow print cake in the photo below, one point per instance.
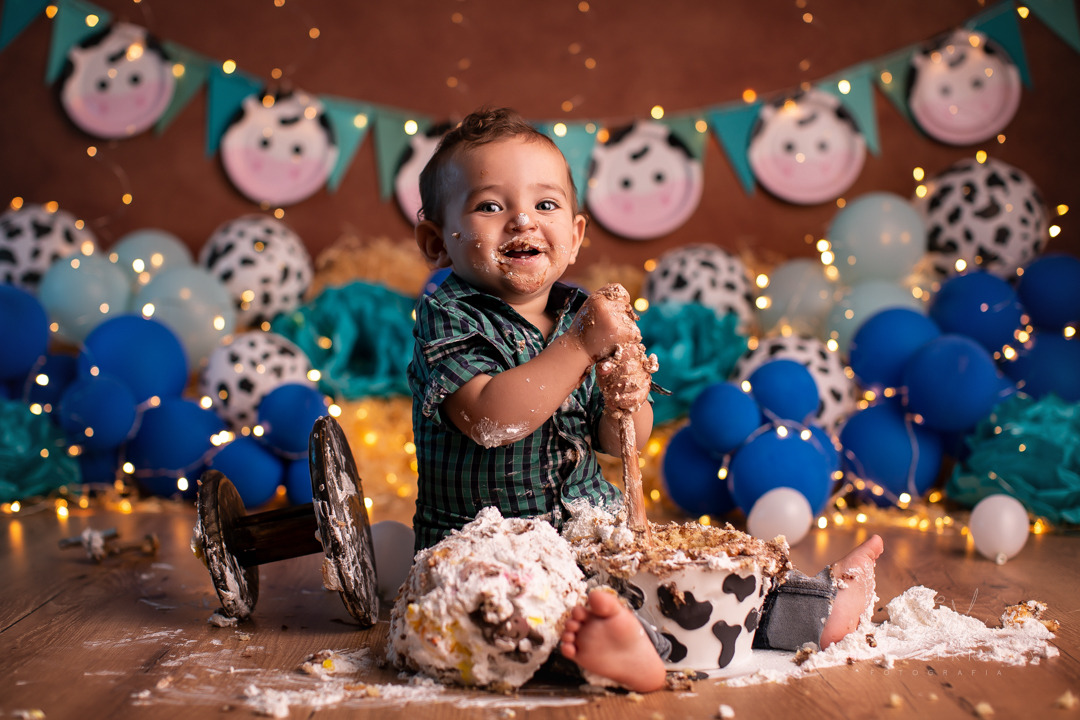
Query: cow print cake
(701, 586)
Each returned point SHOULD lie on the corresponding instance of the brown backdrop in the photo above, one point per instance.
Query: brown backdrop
(444, 58)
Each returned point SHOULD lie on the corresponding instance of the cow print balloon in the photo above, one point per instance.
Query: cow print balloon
(988, 215)
(836, 389)
(32, 238)
(262, 263)
(238, 375)
(703, 274)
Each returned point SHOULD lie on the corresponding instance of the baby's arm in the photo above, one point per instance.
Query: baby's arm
(503, 408)
(625, 379)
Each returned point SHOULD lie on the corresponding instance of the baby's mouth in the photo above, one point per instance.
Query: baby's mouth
(521, 248)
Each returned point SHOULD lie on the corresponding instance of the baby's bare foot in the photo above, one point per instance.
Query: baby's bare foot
(855, 582)
(604, 637)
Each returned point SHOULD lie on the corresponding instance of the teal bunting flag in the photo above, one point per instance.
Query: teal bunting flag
(225, 93)
(75, 21)
(1059, 16)
(576, 142)
(732, 125)
(16, 16)
(391, 140)
(857, 95)
(190, 70)
(690, 128)
(1001, 24)
(350, 120)
(891, 74)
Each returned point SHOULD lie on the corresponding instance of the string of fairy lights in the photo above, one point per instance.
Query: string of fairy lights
(380, 429)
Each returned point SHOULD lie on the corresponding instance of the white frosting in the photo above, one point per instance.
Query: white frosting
(915, 630)
(486, 606)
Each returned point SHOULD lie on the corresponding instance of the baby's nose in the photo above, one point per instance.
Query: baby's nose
(521, 220)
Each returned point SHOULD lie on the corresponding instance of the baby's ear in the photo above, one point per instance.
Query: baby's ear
(430, 241)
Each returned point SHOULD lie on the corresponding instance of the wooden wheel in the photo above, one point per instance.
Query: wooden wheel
(349, 562)
(220, 509)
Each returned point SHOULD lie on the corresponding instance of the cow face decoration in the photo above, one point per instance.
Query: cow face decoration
(118, 83)
(280, 150)
(644, 182)
(806, 149)
(963, 90)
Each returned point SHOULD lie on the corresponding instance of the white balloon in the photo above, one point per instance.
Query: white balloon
(781, 511)
(392, 543)
(999, 526)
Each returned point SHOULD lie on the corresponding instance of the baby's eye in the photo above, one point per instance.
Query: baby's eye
(547, 205)
(488, 206)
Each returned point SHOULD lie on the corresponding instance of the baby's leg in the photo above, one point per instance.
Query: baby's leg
(606, 638)
(855, 583)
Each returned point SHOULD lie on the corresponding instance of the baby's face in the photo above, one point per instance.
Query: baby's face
(510, 227)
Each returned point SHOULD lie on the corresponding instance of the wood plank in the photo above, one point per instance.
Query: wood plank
(129, 637)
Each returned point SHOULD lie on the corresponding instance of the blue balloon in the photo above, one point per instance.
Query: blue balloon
(785, 390)
(691, 477)
(1050, 291)
(173, 441)
(883, 344)
(877, 236)
(97, 411)
(722, 416)
(861, 302)
(193, 304)
(253, 469)
(298, 482)
(435, 280)
(980, 305)
(82, 291)
(951, 382)
(98, 467)
(781, 458)
(24, 332)
(1048, 363)
(144, 354)
(143, 253)
(886, 449)
(287, 414)
(48, 382)
(825, 444)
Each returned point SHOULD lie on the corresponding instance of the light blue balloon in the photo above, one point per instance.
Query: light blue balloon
(878, 236)
(82, 291)
(861, 302)
(193, 304)
(144, 253)
(800, 297)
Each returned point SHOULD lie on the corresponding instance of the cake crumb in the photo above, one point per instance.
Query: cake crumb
(803, 654)
(221, 621)
(871, 640)
(725, 712)
(1067, 701)
(932, 697)
(895, 701)
(1020, 613)
(30, 714)
(634, 697)
(984, 710)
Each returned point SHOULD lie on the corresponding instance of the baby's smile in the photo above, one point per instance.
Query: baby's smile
(521, 248)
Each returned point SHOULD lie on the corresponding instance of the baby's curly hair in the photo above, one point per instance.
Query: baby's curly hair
(478, 128)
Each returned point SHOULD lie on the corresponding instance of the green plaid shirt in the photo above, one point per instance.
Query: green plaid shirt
(462, 332)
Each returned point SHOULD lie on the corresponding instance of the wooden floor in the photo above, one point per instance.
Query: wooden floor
(130, 638)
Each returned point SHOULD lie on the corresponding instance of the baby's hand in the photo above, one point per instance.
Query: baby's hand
(606, 320)
(626, 376)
